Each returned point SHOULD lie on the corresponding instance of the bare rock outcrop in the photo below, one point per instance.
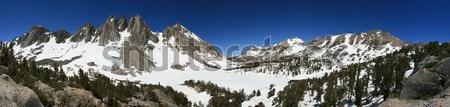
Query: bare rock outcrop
(85, 33)
(37, 34)
(440, 100)
(122, 23)
(69, 96)
(61, 35)
(140, 32)
(14, 95)
(109, 31)
(187, 42)
(421, 84)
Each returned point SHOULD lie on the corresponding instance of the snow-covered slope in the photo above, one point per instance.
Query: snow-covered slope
(297, 58)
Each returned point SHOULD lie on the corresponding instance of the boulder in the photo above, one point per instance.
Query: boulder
(403, 103)
(14, 95)
(421, 85)
(443, 69)
(426, 60)
(440, 100)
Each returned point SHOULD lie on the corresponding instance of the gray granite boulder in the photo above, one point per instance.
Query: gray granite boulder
(14, 95)
(421, 85)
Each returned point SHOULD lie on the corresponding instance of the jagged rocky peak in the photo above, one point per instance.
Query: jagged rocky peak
(122, 23)
(109, 31)
(61, 35)
(140, 32)
(181, 34)
(185, 40)
(373, 38)
(37, 34)
(85, 33)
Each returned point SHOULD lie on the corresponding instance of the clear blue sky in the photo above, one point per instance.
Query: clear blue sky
(228, 22)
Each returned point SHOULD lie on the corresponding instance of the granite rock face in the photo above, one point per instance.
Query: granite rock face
(61, 35)
(140, 32)
(37, 34)
(85, 33)
(443, 69)
(109, 31)
(14, 95)
(185, 40)
(122, 23)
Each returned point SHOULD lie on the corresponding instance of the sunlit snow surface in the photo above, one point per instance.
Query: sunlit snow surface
(234, 80)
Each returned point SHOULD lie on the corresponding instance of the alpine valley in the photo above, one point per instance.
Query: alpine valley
(124, 63)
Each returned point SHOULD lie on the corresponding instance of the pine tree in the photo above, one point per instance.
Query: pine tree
(359, 92)
(401, 68)
(258, 93)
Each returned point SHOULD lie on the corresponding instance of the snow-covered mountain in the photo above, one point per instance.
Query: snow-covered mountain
(119, 47)
(129, 50)
(295, 57)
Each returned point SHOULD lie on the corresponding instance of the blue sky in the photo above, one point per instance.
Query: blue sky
(229, 22)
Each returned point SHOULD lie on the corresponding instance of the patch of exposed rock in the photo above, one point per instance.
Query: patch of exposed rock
(69, 97)
(421, 84)
(186, 41)
(37, 34)
(14, 95)
(140, 32)
(440, 100)
(165, 99)
(109, 31)
(85, 33)
(122, 23)
(61, 35)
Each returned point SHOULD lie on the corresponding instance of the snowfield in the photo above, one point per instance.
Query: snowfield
(231, 80)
